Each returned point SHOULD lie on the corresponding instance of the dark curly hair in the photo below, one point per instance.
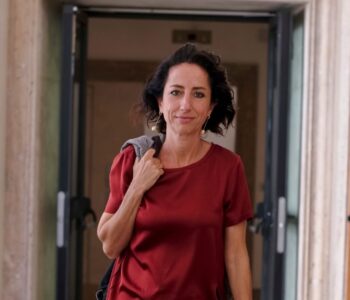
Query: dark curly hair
(221, 91)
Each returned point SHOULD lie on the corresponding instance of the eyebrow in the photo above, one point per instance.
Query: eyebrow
(194, 88)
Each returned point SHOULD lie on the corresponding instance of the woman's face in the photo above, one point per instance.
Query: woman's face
(186, 100)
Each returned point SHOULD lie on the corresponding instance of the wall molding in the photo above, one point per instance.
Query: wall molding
(325, 150)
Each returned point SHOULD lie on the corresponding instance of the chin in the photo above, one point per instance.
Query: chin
(184, 130)
(194, 133)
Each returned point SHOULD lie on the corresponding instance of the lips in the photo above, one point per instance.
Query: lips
(184, 119)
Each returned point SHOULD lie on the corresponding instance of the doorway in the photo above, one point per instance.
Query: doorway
(121, 52)
(117, 67)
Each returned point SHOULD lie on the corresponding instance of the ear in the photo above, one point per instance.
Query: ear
(160, 104)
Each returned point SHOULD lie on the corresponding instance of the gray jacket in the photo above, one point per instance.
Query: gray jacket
(141, 144)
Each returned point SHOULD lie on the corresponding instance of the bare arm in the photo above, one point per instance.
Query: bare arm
(237, 262)
(115, 230)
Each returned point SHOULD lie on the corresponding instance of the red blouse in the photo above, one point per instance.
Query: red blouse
(177, 248)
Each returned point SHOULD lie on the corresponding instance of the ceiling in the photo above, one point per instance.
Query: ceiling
(220, 5)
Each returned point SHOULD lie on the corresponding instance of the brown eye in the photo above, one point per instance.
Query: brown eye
(199, 95)
(175, 92)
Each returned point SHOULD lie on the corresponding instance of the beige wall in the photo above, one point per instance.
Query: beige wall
(347, 259)
(325, 150)
(48, 142)
(3, 63)
(28, 151)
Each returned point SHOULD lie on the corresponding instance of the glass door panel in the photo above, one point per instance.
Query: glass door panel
(293, 159)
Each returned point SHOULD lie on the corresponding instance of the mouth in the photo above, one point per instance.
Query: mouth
(184, 119)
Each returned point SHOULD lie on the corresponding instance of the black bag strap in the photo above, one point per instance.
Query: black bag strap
(101, 293)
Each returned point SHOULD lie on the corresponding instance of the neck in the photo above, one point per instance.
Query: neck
(181, 151)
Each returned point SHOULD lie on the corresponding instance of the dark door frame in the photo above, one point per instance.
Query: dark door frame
(274, 205)
(73, 206)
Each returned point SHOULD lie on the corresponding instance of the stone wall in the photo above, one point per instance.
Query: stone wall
(3, 60)
(325, 147)
(31, 148)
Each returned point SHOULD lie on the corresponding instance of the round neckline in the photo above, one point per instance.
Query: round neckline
(192, 165)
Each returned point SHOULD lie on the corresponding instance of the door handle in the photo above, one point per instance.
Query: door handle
(281, 224)
(60, 238)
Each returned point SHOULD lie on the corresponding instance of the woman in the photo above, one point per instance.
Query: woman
(177, 223)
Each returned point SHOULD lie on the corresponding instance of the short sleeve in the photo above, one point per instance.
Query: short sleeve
(120, 177)
(238, 207)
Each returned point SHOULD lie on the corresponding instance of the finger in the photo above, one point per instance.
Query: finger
(149, 153)
(158, 164)
(156, 160)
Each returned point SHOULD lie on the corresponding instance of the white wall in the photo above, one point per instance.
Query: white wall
(142, 40)
(3, 60)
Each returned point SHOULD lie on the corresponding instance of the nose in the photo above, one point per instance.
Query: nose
(185, 103)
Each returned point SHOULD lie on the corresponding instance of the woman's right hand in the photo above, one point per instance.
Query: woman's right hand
(115, 230)
(146, 171)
